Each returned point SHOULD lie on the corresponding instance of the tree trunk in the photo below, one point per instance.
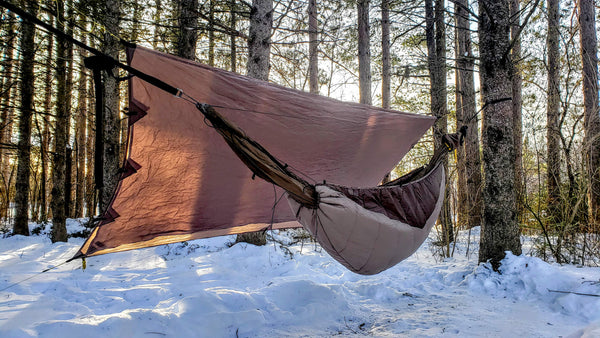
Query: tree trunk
(45, 137)
(6, 113)
(364, 53)
(91, 192)
(553, 113)
(157, 29)
(436, 61)
(232, 44)
(59, 229)
(211, 33)
(259, 39)
(589, 59)
(313, 48)
(187, 30)
(500, 231)
(112, 124)
(26, 112)
(69, 109)
(80, 146)
(469, 157)
(517, 102)
(385, 55)
(259, 51)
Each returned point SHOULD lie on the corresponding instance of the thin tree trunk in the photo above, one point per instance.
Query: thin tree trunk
(59, 230)
(211, 33)
(313, 48)
(26, 112)
(469, 157)
(45, 137)
(436, 60)
(364, 52)
(517, 102)
(6, 113)
(80, 144)
(157, 29)
(69, 108)
(553, 113)
(386, 72)
(259, 51)
(91, 192)
(259, 39)
(500, 231)
(232, 44)
(187, 30)
(589, 59)
(112, 124)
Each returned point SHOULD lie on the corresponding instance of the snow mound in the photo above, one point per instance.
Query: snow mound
(567, 289)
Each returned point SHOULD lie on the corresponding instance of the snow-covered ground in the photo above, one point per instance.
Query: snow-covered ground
(206, 288)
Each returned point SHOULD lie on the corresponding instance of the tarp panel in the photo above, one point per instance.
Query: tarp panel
(188, 184)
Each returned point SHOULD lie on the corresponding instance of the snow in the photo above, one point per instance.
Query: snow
(208, 288)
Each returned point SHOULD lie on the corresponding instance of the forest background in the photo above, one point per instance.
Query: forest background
(522, 75)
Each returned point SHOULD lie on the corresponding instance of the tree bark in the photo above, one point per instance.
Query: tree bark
(69, 108)
(91, 191)
(157, 29)
(27, 47)
(500, 231)
(517, 101)
(469, 157)
(187, 30)
(232, 43)
(112, 125)
(313, 48)
(45, 137)
(553, 113)
(211, 33)
(59, 229)
(436, 60)
(386, 72)
(259, 50)
(259, 39)
(364, 52)
(6, 113)
(589, 60)
(80, 141)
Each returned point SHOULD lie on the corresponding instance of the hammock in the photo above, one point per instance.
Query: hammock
(181, 181)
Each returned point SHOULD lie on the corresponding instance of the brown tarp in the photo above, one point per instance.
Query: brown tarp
(180, 180)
